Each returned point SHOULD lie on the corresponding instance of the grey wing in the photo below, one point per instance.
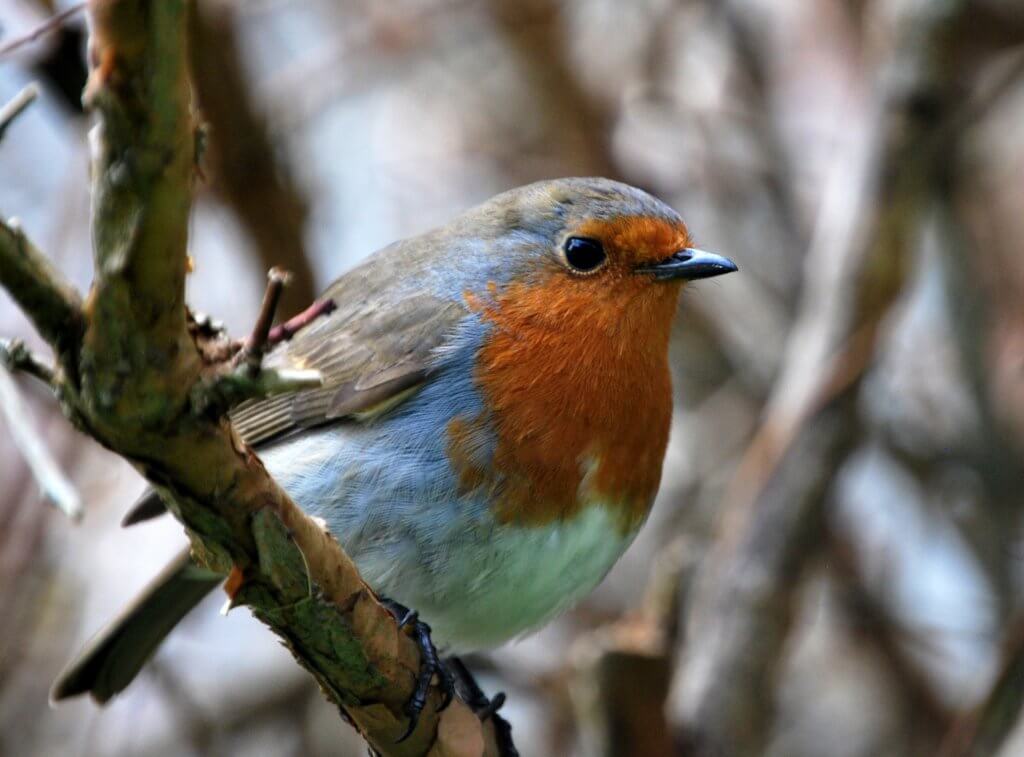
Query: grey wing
(369, 353)
(377, 345)
(373, 350)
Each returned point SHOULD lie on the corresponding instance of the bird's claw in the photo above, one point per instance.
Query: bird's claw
(484, 708)
(408, 620)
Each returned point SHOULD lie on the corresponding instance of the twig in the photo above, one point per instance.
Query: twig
(256, 344)
(45, 469)
(243, 377)
(285, 331)
(50, 302)
(53, 23)
(15, 357)
(16, 106)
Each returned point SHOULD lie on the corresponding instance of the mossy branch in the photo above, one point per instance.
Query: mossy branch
(133, 378)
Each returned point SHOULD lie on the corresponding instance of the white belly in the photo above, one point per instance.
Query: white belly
(497, 582)
(477, 582)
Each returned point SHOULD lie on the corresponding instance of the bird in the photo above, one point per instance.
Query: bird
(492, 424)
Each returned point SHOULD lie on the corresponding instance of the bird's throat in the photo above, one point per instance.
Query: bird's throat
(578, 402)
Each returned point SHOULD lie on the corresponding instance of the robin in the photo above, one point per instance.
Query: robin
(490, 432)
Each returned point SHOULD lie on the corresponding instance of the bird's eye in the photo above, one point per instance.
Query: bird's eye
(584, 255)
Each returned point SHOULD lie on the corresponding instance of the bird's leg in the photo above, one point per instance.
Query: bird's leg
(409, 621)
(471, 693)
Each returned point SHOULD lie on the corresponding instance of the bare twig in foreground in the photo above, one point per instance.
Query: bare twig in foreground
(256, 344)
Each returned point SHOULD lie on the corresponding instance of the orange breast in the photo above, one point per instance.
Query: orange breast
(576, 382)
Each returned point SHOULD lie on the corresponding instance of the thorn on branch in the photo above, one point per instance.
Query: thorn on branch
(244, 377)
(258, 341)
(16, 106)
(285, 331)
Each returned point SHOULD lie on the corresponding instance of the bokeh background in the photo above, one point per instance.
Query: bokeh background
(834, 564)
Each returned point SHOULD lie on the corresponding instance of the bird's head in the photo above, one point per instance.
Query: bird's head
(588, 243)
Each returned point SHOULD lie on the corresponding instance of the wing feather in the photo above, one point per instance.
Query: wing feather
(378, 343)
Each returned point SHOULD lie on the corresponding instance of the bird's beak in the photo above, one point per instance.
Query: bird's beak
(690, 264)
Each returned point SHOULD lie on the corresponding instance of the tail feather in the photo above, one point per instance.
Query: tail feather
(147, 506)
(115, 655)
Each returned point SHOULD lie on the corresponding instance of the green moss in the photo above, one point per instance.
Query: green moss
(311, 625)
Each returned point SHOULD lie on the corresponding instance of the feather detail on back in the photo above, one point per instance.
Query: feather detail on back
(376, 346)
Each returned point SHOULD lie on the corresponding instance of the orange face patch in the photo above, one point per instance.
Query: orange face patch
(636, 240)
(576, 382)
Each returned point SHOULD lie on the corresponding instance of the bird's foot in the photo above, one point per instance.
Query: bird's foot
(471, 693)
(430, 665)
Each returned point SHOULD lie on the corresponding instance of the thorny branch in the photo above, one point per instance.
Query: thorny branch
(131, 376)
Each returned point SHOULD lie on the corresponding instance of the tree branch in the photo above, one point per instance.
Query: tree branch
(17, 106)
(621, 673)
(131, 368)
(53, 306)
(16, 357)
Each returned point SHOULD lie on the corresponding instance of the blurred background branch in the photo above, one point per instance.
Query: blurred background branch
(248, 171)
